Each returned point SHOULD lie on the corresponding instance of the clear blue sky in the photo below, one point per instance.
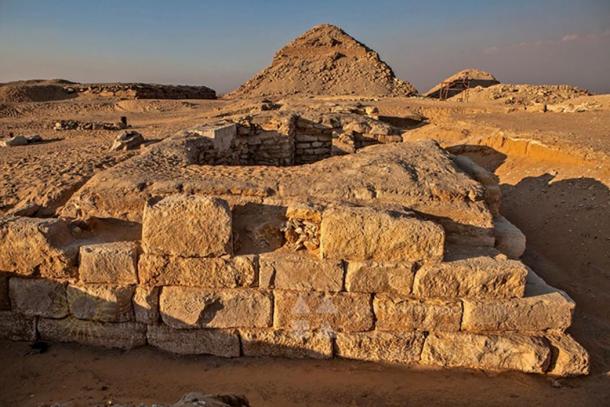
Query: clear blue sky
(222, 43)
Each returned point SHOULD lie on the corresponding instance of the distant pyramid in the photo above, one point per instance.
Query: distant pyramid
(325, 61)
(458, 82)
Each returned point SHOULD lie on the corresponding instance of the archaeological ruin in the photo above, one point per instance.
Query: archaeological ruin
(255, 236)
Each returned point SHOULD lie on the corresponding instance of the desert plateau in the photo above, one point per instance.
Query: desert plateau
(324, 234)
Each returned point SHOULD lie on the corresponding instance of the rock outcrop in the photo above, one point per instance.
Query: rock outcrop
(325, 61)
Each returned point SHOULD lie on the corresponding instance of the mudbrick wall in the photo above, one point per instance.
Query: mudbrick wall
(349, 282)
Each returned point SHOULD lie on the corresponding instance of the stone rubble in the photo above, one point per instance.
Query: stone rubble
(128, 140)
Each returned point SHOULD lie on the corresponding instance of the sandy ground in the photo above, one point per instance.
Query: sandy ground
(557, 190)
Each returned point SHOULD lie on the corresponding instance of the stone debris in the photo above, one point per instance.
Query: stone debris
(302, 229)
(211, 400)
(14, 141)
(522, 96)
(128, 140)
(64, 125)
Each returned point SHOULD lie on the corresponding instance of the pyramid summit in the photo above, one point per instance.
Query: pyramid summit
(325, 61)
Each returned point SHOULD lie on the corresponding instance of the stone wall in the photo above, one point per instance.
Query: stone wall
(348, 282)
(143, 91)
(278, 141)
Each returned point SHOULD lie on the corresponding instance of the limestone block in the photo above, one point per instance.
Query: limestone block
(286, 343)
(476, 277)
(185, 307)
(222, 135)
(5, 301)
(16, 327)
(113, 263)
(490, 352)
(543, 308)
(28, 245)
(569, 358)
(124, 335)
(400, 314)
(217, 342)
(38, 297)
(385, 347)
(373, 277)
(100, 302)
(299, 271)
(187, 226)
(239, 271)
(146, 304)
(509, 239)
(372, 234)
(329, 312)
(493, 194)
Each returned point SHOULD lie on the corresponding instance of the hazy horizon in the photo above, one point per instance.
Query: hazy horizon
(221, 45)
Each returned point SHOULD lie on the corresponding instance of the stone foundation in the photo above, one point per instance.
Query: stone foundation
(381, 285)
(278, 140)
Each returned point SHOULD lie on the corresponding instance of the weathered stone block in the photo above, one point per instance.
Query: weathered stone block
(542, 308)
(374, 234)
(124, 335)
(401, 314)
(218, 342)
(239, 271)
(286, 343)
(146, 304)
(569, 358)
(113, 263)
(184, 307)
(403, 348)
(476, 277)
(492, 352)
(16, 327)
(101, 302)
(372, 277)
(38, 297)
(222, 135)
(329, 312)
(299, 271)
(187, 226)
(28, 245)
(509, 239)
(493, 194)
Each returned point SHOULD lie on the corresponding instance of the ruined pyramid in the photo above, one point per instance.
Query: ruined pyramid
(459, 81)
(325, 61)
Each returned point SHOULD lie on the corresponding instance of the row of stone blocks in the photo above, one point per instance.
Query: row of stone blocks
(543, 309)
(553, 353)
(366, 288)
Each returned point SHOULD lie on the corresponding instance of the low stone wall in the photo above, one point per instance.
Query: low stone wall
(143, 91)
(370, 284)
(278, 141)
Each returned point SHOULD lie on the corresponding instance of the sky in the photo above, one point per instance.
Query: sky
(221, 44)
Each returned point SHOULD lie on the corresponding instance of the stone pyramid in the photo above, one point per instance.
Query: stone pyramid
(325, 61)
